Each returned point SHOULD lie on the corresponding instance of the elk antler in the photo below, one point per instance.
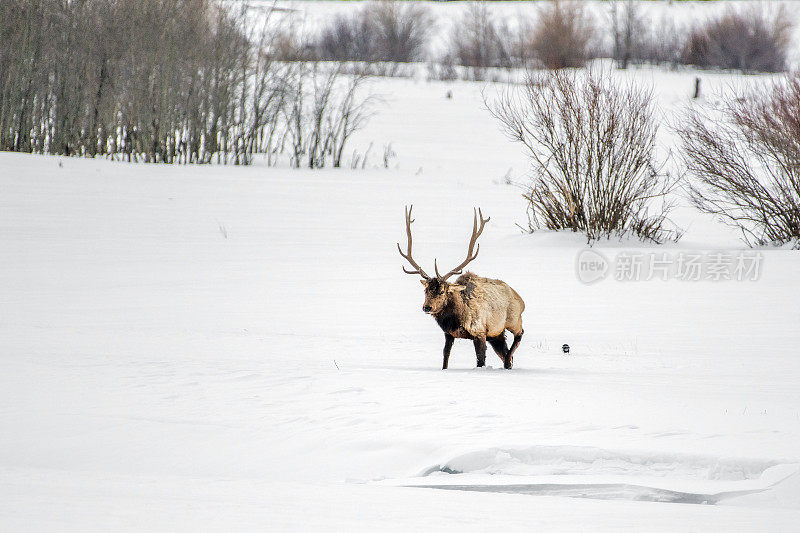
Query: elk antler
(407, 255)
(476, 232)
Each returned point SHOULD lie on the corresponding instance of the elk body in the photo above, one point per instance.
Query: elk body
(474, 308)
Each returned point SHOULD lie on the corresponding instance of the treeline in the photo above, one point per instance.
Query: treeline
(554, 34)
(170, 81)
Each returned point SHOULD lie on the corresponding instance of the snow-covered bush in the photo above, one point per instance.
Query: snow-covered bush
(592, 146)
(745, 156)
(749, 39)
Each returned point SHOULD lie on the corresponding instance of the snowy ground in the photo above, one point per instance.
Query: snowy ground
(217, 348)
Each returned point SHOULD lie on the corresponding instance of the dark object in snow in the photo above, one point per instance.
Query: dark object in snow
(565, 348)
(696, 88)
(449, 94)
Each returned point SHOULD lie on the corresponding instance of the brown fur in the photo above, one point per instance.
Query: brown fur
(476, 308)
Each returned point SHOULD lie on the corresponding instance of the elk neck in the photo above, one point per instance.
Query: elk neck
(450, 318)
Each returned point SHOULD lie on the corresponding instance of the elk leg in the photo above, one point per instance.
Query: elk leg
(448, 345)
(510, 357)
(480, 350)
(499, 345)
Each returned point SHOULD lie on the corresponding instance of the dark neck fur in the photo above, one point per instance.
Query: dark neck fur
(447, 318)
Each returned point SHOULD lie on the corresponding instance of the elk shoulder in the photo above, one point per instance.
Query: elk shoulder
(487, 306)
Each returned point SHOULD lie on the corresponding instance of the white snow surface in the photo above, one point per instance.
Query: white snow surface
(223, 348)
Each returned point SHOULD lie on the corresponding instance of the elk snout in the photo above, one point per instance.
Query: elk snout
(427, 308)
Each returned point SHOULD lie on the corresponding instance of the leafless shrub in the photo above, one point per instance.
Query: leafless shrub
(477, 42)
(348, 38)
(443, 70)
(401, 30)
(625, 23)
(591, 142)
(385, 30)
(661, 44)
(291, 43)
(747, 39)
(562, 35)
(388, 154)
(323, 111)
(638, 39)
(628, 27)
(360, 161)
(745, 155)
(350, 114)
(519, 42)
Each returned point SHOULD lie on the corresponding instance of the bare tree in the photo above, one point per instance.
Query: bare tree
(591, 143)
(324, 109)
(350, 115)
(476, 41)
(628, 30)
(745, 156)
(165, 81)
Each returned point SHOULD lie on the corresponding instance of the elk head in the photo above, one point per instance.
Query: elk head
(437, 289)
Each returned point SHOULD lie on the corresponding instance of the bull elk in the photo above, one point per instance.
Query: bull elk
(474, 308)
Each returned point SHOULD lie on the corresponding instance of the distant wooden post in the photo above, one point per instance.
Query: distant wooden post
(696, 88)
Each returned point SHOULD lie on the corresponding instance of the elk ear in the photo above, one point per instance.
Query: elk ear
(456, 288)
(424, 282)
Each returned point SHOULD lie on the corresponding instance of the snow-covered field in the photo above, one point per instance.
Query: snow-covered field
(221, 348)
